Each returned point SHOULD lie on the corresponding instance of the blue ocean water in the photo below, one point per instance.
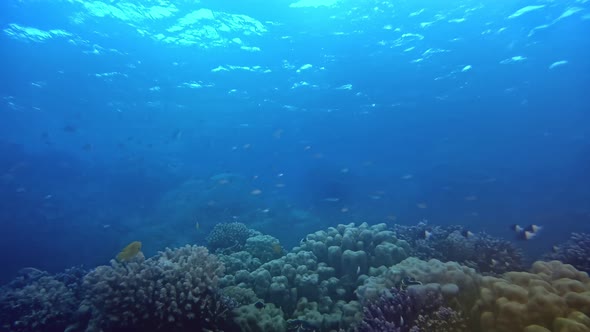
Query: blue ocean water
(156, 120)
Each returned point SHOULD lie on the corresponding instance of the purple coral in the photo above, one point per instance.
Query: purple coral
(417, 309)
(390, 312)
(574, 251)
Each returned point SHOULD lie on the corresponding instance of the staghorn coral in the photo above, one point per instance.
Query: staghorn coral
(417, 309)
(37, 301)
(576, 251)
(551, 297)
(229, 237)
(174, 290)
(391, 312)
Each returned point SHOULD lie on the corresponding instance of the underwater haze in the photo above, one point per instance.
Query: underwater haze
(116, 117)
(157, 120)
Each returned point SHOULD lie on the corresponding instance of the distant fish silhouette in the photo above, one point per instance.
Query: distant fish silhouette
(467, 234)
(69, 128)
(426, 235)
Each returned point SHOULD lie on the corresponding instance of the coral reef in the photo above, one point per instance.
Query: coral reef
(343, 278)
(266, 319)
(458, 284)
(481, 251)
(417, 309)
(315, 283)
(444, 319)
(552, 297)
(576, 251)
(264, 247)
(174, 290)
(351, 249)
(37, 301)
(394, 312)
(229, 237)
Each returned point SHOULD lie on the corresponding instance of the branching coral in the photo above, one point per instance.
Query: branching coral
(576, 251)
(481, 251)
(174, 290)
(37, 301)
(392, 312)
(418, 309)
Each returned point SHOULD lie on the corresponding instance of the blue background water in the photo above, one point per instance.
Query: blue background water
(122, 125)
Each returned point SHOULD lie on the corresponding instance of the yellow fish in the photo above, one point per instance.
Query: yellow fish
(130, 251)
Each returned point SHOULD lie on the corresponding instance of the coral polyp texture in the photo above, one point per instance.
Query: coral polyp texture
(229, 236)
(174, 290)
(551, 297)
(316, 282)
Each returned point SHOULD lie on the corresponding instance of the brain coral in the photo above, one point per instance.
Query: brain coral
(552, 297)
